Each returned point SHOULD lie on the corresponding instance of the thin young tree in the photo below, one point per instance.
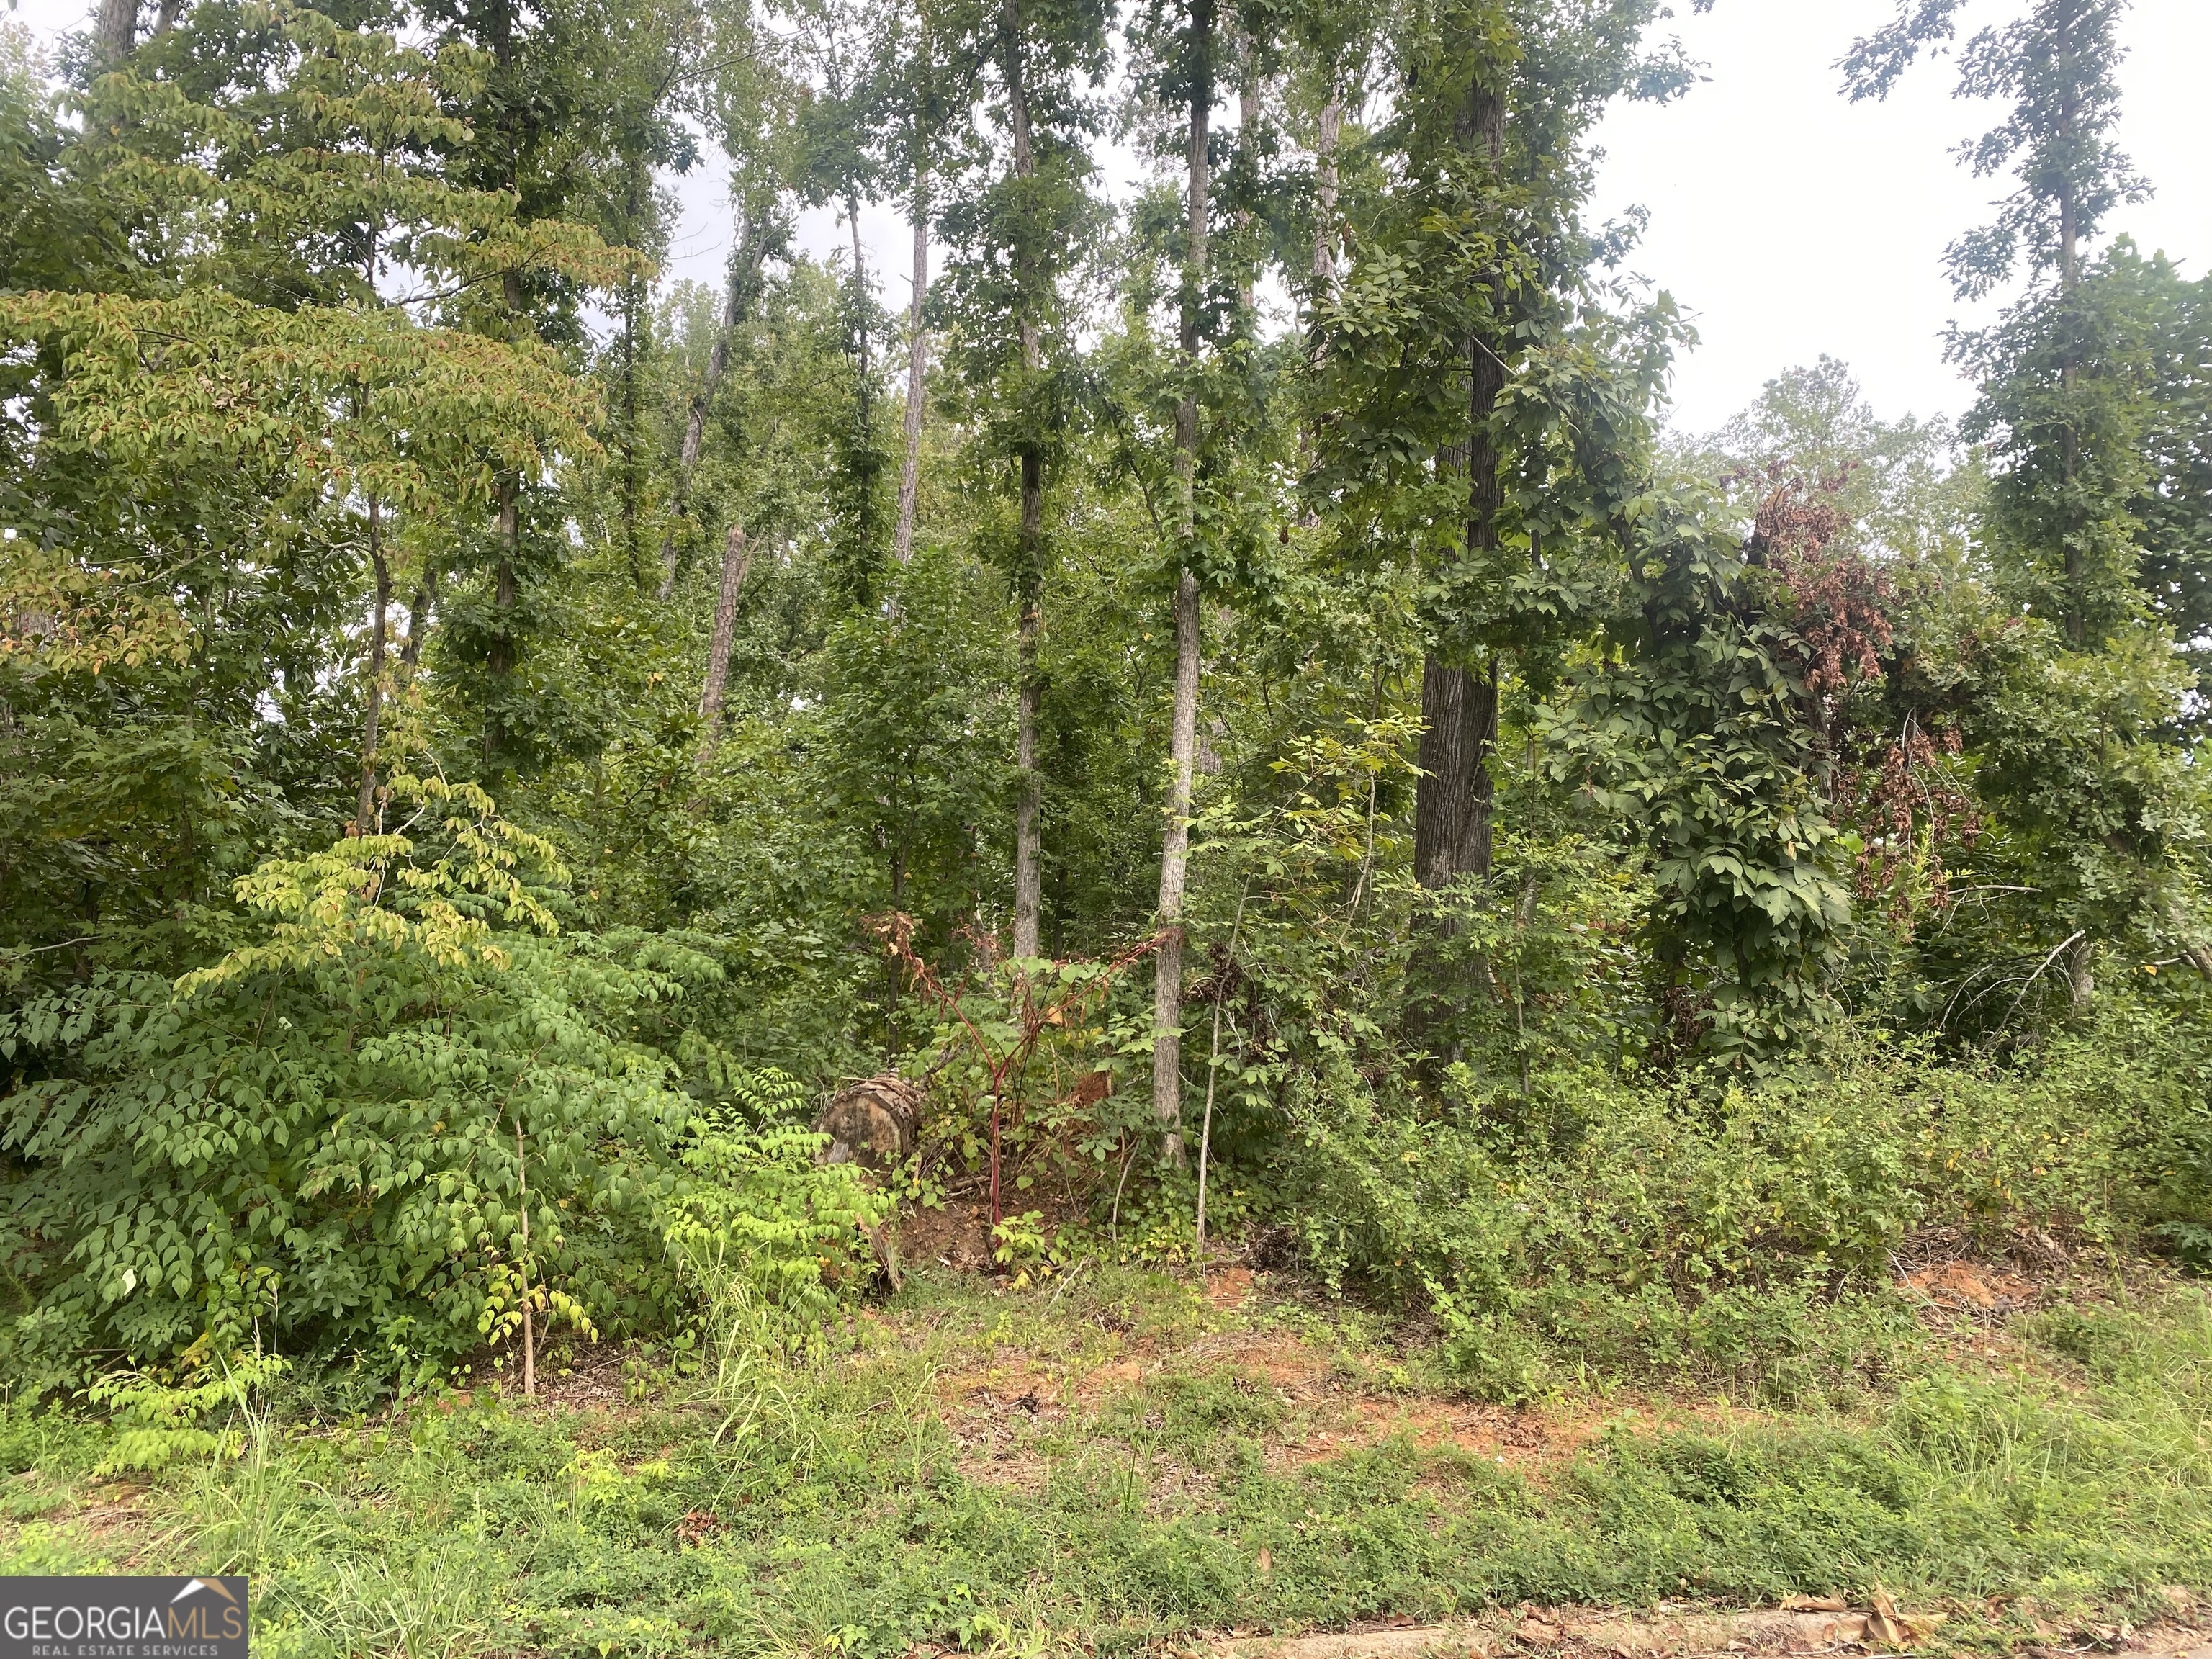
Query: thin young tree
(1020, 229)
(1191, 72)
(927, 67)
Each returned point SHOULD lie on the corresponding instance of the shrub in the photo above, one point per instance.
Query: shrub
(407, 1110)
(1722, 1228)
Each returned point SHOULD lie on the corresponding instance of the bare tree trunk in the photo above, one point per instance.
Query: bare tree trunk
(2082, 976)
(1028, 803)
(1029, 800)
(1324, 253)
(1183, 735)
(917, 355)
(373, 715)
(1175, 870)
(1451, 817)
(116, 31)
(1452, 800)
(737, 556)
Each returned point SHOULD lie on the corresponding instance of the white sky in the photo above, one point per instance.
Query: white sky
(1793, 223)
(1787, 221)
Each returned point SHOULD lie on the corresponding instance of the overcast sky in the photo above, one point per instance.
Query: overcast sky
(1786, 221)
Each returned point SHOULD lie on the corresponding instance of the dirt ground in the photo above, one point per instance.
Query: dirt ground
(1598, 1633)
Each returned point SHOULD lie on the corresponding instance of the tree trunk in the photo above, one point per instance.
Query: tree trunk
(373, 714)
(1028, 803)
(745, 262)
(507, 527)
(2082, 976)
(1451, 814)
(633, 450)
(418, 619)
(1452, 800)
(1325, 143)
(1182, 736)
(1174, 868)
(863, 457)
(1248, 137)
(917, 354)
(116, 31)
(737, 556)
(501, 658)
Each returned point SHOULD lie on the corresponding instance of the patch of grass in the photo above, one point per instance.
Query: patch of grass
(963, 1476)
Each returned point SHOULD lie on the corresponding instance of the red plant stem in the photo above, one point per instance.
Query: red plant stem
(897, 932)
(996, 1215)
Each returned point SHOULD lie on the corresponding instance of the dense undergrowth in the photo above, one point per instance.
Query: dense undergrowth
(1621, 1224)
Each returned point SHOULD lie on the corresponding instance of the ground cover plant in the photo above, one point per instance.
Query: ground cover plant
(1123, 1458)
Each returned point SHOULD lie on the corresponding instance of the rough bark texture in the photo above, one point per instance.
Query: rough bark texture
(1451, 822)
(1453, 800)
(116, 29)
(1182, 735)
(917, 363)
(737, 556)
(1175, 864)
(1451, 828)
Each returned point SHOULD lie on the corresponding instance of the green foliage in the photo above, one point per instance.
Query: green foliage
(756, 1210)
(405, 1112)
(1198, 1496)
(1696, 737)
(1731, 1230)
(1828, 876)
(157, 1424)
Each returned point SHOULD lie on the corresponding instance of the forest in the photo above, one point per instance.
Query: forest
(1170, 927)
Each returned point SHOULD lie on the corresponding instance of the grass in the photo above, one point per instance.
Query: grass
(1122, 1460)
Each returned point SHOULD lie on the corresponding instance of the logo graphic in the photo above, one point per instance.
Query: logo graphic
(123, 1618)
(215, 1584)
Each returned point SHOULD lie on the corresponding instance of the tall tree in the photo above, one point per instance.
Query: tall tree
(924, 90)
(2077, 755)
(1472, 275)
(2057, 67)
(1188, 72)
(1019, 231)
